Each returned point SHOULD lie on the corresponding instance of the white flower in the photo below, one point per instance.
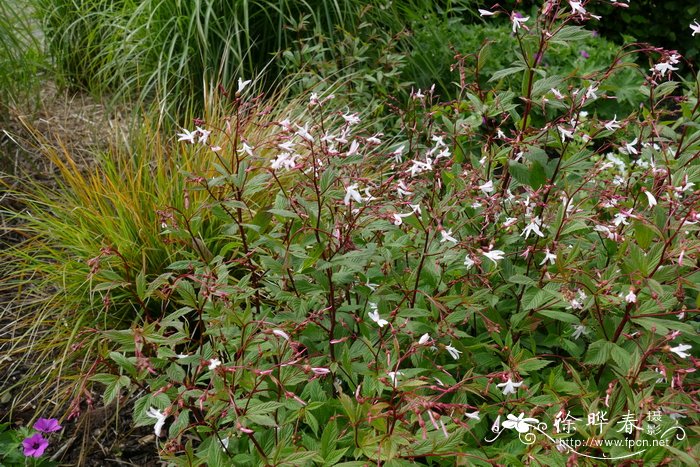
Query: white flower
(468, 262)
(397, 154)
(521, 424)
(393, 375)
(605, 230)
(438, 140)
(320, 371)
(548, 256)
(454, 353)
(354, 146)
(579, 330)
(473, 415)
(695, 27)
(424, 339)
(612, 125)
(419, 166)
(246, 149)
(494, 255)
(651, 199)
(557, 94)
(402, 189)
(663, 68)
(214, 363)
(187, 136)
(509, 221)
(491, 13)
(352, 193)
(160, 419)
(681, 350)
(374, 315)
(242, 84)
(203, 135)
(577, 8)
(416, 209)
(631, 297)
(398, 218)
(629, 148)
(662, 372)
(445, 153)
(285, 160)
(565, 134)
(447, 236)
(304, 134)
(509, 387)
(518, 22)
(533, 226)
(620, 218)
(591, 92)
(417, 95)
(280, 333)
(487, 187)
(374, 139)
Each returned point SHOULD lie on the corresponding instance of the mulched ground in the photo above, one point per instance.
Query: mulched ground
(100, 436)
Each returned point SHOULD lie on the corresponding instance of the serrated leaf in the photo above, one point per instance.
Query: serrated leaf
(181, 422)
(532, 364)
(620, 356)
(506, 72)
(571, 33)
(598, 352)
(299, 458)
(521, 279)
(560, 316)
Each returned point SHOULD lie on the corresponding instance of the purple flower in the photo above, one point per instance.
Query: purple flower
(584, 54)
(35, 445)
(47, 425)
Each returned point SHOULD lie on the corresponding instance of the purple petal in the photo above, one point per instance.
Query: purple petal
(35, 445)
(47, 425)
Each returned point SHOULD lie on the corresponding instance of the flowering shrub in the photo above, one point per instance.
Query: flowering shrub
(506, 278)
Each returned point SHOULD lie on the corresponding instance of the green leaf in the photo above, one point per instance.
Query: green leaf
(329, 438)
(506, 72)
(532, 364)
(599, 352)
(519, 172)
(297, 458)
(538, 177)
(312, 421)
(560, 316)
(141, 285)
(521, 279)
(643, 234)
(620, 356)
(180, 424)
(571, 33)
